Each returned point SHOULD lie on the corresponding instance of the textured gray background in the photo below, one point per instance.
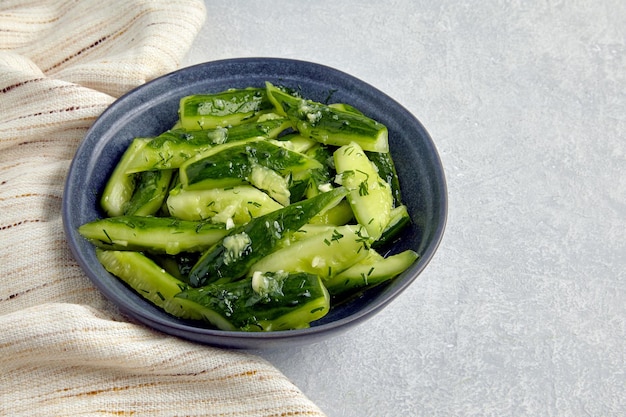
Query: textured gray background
(522, 311)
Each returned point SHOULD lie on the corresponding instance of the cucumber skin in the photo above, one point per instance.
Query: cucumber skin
(152, 234)
(387, 171)
(154, 284)
(150, 191)
(371, 271)
(399, 219)
(120, 186)
(233, 164)
(301, 299)
(324, 254)
(327, 124)
(265, 234)
(226, 108)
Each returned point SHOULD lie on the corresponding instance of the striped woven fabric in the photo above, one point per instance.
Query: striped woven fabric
(64, 349)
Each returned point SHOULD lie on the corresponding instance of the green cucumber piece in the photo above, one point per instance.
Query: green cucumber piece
(265, 302)
(154, 234)
(150, 192)
(297, 188)
(177, 265)
(320, 178)
(370, 196)
(172, 148)
(261, 163)
(120, 186)
(399, 219)
(337, 216)
(382, 160)
(231, 258)
(387, 171)
(296, 142)
(346, 108)
(270, 181)
(236, 161)
(241, 204)
(226, 108)
(324, 254)
(223, 165)
(169, 264)
(266, 128)
(370, 271)
(153, 283)
(329, 125)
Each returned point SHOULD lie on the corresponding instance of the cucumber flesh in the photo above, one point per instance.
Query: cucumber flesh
(324, 254)
(241, 204)
(296, 142)
(346, 108)
(120, 186)
(387, 171)
(156, 285)
(337, 216)
(153, 234)
(370, 196)
(270, 181)
(370, 271)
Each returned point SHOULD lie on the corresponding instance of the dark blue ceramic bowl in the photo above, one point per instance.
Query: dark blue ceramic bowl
(152, 109)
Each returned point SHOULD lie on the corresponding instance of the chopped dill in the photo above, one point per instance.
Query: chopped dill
(336, 235)
(107, 235)
(363, 189)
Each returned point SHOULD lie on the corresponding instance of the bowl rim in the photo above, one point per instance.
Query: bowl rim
(238, 339)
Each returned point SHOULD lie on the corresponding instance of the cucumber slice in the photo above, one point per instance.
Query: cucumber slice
(154, 234)
(327, 124)
(171, 149)
(266, 302)
(227, 108)
(400, 218)
(223, 165)
(270, 181)
(231, 258)
(387, 171)
(324, 254)
(150, 192)
(370, 196)
(157, 286)
(235, 161)
(296, 142)
(241, 203)
(370, 271)
(345, 107)
(268, 128)
(120, 187)
(337, 216)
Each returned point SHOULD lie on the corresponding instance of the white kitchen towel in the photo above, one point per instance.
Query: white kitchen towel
(64, 349)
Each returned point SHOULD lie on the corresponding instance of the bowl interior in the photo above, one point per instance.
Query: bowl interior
(152, 109)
